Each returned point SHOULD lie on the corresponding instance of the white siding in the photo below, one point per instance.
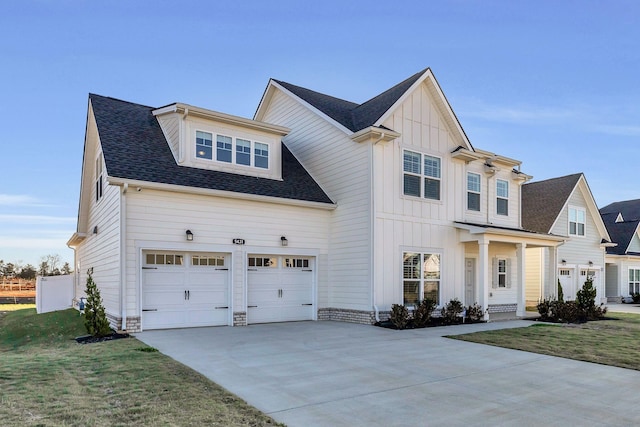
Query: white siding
(534, 275)
(611, 280)
(634, 245)
(159, 219)
(170, 124)
(342, 167)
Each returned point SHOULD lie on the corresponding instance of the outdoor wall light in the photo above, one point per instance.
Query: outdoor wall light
(189, 236)
(95, 230)
(564, 262)
(590, 263)
(284, 241)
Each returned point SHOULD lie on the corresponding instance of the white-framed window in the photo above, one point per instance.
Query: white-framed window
(296, 263)
(239, 151)
(164, 259)
(502, 197)
(501, 273)
(258, 261)
(422, 175)
(473, 191)
(565, 272)
(634, 281)
(99, 170)
(420, 277)
(208, 260)
(577, 221)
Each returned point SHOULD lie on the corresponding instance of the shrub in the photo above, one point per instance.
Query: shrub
(399, 316)
(451, 312)
(586, 300)
(475, 313)
(560, 292)
(422, 313)
(95, 320)
(544, 309)
(566, 312)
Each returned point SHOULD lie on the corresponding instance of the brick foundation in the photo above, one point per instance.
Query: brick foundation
(349, 316)
(502, 308)
(240, 318)
(133, 323)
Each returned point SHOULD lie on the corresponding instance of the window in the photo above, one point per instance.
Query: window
(208, 260)
(164, 259)
(501, 273)
(473, 191)
(421, 277)
(223, 144)
(422, 174)
(263, 262)
(204, 145)
(99, 178)
(261, 159)
(243, 152)
(634, 281)
(296, 263)
(577, 222)
(502, 197)
(232, 150)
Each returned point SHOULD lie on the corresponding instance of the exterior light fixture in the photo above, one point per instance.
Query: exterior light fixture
(564, 262)
(95, 230)
(284, 241)
(590, 263)
(189, 236)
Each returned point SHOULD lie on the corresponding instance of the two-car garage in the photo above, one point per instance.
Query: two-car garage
(183, 289)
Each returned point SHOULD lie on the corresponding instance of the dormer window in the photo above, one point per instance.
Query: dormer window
(232, 150)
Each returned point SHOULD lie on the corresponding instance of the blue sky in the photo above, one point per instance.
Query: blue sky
(551, 83)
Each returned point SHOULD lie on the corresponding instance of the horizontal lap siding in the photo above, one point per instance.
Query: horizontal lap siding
(341, 167)
(160, 219)
(534, 274)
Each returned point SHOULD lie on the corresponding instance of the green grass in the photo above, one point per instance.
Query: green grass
(609, 342)
(47, 379)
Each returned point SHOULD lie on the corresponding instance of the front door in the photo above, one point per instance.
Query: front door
(470, 281)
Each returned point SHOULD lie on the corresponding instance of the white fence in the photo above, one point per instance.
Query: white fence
(53, 293)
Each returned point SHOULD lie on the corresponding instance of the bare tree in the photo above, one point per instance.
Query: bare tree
(49, 264)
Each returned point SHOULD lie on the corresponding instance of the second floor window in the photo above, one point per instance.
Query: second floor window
(473, 191)
(422, 175)
(99, 178)
(576, 222)
(232, 150)
(502, 197)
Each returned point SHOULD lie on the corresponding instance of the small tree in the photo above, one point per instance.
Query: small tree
(560, 292)
(95, 320)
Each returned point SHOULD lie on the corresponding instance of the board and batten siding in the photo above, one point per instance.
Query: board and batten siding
(414, 224)
(158, 220)
(342, 168)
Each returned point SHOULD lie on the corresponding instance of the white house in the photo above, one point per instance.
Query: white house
(318, 208)
(622, 261)
(564, 207)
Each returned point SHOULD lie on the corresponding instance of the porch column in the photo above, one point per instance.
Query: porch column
(483, 276)
(550, 287)
(522, 265)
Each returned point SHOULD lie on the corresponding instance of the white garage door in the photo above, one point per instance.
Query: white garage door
(280, 289)
(181, 290)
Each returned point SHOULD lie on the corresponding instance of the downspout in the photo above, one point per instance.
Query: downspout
(372, 205)
(123, 258)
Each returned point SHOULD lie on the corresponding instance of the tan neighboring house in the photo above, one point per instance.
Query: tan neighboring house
(318, 208)
(564, 207)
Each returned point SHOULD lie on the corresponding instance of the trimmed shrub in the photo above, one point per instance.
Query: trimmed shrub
(422, 313)
(451, 312)
(95, 320)
(399, 316)
(475, 313)
(560, 292)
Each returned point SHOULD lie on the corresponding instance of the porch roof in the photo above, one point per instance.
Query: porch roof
(491, 232)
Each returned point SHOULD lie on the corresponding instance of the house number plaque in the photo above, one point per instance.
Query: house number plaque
(238, 241)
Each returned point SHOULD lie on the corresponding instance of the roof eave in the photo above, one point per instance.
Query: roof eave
(375, 134)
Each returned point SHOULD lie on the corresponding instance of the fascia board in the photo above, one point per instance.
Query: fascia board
(219, 193)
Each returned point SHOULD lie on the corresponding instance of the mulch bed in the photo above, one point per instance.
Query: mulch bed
(90, 339)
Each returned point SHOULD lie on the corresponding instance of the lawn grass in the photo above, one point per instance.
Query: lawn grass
(609, 342)
(47, 379)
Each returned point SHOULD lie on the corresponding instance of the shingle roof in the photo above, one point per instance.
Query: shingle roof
(351, 115)
(542, 201)
(621, 232)
(135, 148)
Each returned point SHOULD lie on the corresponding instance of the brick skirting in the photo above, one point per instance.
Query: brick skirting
(347, 315)
(502, 308)
(240, 318)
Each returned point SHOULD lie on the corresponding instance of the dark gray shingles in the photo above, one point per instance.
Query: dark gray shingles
(351, 115)
(135, 148)
(542, 201)
(621, 232)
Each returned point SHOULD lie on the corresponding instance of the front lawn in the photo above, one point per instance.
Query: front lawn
(609, 342)
(47, 379)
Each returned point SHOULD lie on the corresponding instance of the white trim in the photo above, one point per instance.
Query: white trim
(422, 175)
(577, 209)
(219, 193)
(234, 144)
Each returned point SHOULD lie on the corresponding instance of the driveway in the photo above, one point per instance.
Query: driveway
(341, 374)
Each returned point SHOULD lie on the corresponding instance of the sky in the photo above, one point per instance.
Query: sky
(549, 82)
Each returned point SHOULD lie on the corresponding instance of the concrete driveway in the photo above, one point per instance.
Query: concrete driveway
(340, 374)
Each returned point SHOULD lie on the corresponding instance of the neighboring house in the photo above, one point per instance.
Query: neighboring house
(622, 261)
(564, 207)
(319, 208)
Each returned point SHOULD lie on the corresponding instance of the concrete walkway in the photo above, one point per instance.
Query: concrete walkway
(340, 374)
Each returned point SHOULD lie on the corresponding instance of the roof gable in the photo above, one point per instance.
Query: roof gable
(355, 117)
(622, 232)
(543, 201)
(134, 148)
